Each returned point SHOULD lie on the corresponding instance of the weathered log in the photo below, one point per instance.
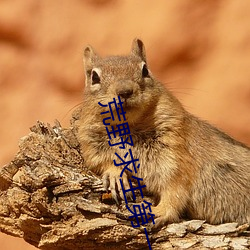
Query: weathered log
(49, 198)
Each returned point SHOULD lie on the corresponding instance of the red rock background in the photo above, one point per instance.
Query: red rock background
(200, 49)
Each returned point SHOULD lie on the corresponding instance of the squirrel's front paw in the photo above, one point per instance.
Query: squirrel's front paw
(164, 214)
(111, 179)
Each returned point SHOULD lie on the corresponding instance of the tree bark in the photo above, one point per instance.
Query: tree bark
(50, 199)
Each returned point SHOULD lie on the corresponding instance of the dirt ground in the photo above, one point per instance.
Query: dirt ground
(200, 49)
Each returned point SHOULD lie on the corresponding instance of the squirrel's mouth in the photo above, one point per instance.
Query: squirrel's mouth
(129, 103)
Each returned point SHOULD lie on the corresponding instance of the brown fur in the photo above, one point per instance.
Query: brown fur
(191, 166)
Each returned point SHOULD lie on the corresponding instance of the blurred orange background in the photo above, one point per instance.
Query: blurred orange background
(200, 49)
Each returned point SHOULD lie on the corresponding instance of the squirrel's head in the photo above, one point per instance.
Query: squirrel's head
(124, 76)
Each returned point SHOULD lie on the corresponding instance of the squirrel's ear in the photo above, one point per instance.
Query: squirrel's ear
(89, 57)
(138, 49)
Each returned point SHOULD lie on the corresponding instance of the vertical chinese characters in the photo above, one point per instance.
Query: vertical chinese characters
(141, 213)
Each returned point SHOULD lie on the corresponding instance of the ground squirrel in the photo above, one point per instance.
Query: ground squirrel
(190, 166)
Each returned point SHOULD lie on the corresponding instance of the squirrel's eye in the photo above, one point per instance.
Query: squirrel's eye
(95, 78)
(145, 72)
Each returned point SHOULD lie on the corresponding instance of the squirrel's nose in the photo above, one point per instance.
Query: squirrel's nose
(125, 93)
